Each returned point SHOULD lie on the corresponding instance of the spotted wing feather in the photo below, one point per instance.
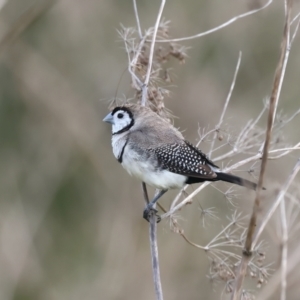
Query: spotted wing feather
(185, 159)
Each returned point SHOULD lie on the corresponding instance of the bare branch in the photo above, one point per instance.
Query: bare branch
(146, 82)
(294, 258)
(286, 151)
(145, 193)
(279, 198)
(154, 249)
(226, 103)
(234, 19)
(185, 201)
(284, 250)
(278, 80)
(154, 255)
(137, 19)
(295, 31)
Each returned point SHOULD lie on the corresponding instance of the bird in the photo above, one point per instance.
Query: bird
(155, 152)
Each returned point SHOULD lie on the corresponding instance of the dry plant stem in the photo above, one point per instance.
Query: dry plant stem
(135, 80)
(154, 255)
(174, 208)
(278, 80)
(218, 27)
(152, 221)
(286, 151)
(284, 249)
(241, 138)
(185, 201)
(277, 84)
(138, 24)
(154, 249)
(145, 193)
(189, 241)
(277, 201)
(217, 128)
(147, 79)
(295, 32)
(294, 258)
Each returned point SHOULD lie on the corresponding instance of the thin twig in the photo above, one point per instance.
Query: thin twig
(286, 151)
(279, 198)
(147, 78)
(218, 27)
(154, 255)
(277, 84)
(284, 249)
(294, 258)
(137, 19)
(295, 31)
(145, 193)
(154, 248)
(185, 201)
(278, 80)
(174, 208)
(251, 127)
(152, 221)
(137, 83)
(217, 128)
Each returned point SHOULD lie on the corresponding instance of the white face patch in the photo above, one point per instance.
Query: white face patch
(121, 119)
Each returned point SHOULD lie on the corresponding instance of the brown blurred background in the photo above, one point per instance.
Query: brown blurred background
(71, 222)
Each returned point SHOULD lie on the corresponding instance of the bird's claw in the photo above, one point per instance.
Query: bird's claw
(150, 211)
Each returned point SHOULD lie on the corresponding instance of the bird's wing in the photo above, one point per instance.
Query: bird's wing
(185, 159)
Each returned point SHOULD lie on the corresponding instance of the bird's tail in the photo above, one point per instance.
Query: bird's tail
(237, 180)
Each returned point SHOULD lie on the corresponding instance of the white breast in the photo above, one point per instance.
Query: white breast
(118, 142)
(144, 171)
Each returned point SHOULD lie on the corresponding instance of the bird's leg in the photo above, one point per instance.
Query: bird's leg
(149, 210)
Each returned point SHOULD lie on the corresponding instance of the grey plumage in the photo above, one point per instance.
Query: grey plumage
(154, 151)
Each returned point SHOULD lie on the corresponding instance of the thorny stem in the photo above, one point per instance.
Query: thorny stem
(277, 84)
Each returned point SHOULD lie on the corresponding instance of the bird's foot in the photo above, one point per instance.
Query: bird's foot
(150, 211)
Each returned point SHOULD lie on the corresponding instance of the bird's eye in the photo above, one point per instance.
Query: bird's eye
(120, 115)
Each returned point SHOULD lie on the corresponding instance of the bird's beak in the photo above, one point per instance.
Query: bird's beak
(109, 119)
